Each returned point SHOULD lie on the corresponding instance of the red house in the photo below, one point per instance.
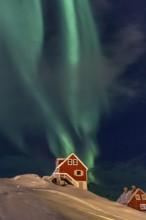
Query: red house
(134, 198)
(70, 170)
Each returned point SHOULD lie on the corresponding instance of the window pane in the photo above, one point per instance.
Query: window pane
(70, 162)
(137, 197)
(75, 162)
(143, 197)
(143, 206)
(78, 172)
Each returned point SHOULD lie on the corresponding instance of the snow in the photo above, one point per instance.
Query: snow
(28, 197)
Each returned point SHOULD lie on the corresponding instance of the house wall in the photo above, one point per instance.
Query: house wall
(70, 169)
(83, 185)
(134, 203)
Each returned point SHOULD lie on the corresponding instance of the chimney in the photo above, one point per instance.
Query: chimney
(125, 189)
(133, 188)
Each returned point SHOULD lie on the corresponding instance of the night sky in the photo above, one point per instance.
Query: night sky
(121, 124)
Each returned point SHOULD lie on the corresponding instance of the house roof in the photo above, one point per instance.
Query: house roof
(68, 158)
(126, 197)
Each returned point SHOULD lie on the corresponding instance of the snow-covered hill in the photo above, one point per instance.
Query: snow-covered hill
(28, 197)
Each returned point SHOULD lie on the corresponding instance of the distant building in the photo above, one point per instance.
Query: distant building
(70, 170)
(134, 198)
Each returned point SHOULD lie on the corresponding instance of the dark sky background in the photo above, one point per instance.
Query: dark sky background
(121, 137)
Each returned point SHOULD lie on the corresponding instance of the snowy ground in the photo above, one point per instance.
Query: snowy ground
(29, 197)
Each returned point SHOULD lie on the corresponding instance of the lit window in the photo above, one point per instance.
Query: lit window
(78, 172)
(137, 197)
(143, 196)
(70, 162)
(75, 162)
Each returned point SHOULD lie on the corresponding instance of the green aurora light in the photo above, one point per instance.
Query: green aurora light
(82, 46)
(24, 39)
(81, 61)
(69, 23)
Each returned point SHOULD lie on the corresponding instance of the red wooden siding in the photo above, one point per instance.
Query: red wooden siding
(65, 168)
(134, 203)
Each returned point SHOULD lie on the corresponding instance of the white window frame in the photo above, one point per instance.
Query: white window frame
(143, 196)
(137, 196)
(69, 161)
(75, 172)
(75, 163)
(143, 206)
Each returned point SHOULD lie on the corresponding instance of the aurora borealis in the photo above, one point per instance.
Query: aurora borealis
(70, 35)
(24, 41)
(69, 71)
(78, 50)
